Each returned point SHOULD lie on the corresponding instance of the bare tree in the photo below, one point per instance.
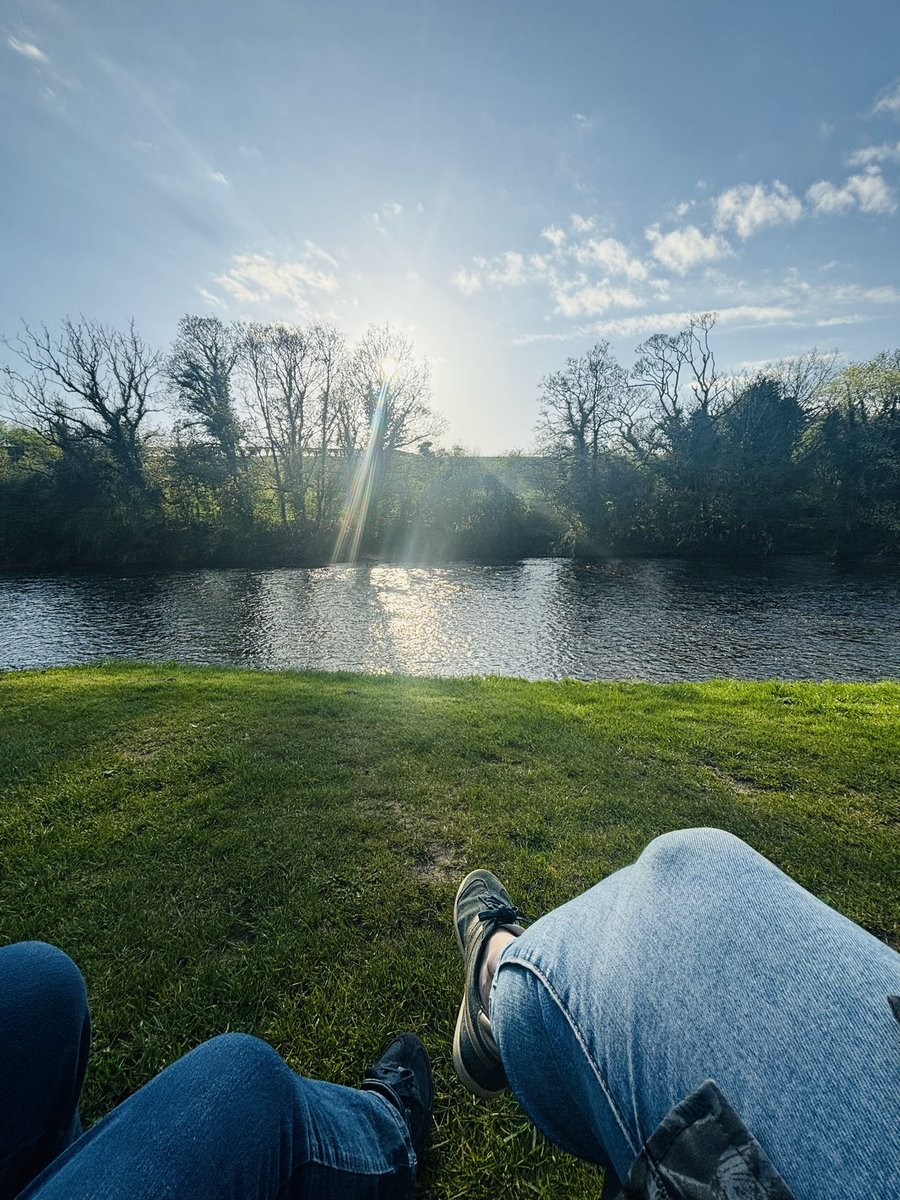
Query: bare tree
(89, 383)
(331, 355)
(386, 409)
(391, 392)
(200, 369)
(282, 367)
(678, 375)
(807, 377)
(581, 409)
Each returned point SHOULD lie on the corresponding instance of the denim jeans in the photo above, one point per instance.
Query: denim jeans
(229, 1120)
(702, 961)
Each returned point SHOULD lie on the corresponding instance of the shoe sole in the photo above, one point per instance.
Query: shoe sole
(465, 1078)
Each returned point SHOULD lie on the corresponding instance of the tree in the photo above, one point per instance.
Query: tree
(386, 409)
(761, 435)
(686, 397)
(281, 364)
(856, 447)
(200, 369)
(579, 418)
(89, 384)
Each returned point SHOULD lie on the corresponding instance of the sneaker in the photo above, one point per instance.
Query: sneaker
(482, 906)
(403, 1076)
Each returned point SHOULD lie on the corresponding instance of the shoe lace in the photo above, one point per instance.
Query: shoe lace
(498, 912)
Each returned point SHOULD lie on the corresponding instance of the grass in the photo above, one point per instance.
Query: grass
(278, 853)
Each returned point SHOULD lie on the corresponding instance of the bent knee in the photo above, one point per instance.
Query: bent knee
(54, 985)
(241, 1070)
(703, 855)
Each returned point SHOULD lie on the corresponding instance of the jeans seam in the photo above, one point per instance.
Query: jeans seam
(324, 1156)
(595, 1067)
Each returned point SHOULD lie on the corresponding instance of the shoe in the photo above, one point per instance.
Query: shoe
(482, 906)
(403, 1076)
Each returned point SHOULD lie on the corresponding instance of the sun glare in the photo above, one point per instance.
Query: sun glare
(388, 367)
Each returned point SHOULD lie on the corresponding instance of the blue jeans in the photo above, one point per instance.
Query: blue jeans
(703, 961)
(229, 1120)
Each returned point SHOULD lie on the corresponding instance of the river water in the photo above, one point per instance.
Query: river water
(653, 619)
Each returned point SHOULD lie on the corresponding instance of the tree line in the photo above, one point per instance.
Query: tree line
(265, 444)
(676, 456)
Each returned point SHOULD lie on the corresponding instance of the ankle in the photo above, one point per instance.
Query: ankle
(493, 948)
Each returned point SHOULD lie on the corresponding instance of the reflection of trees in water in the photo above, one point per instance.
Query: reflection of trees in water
(652, 619)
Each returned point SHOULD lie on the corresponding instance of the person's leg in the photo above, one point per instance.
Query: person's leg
(45, 1039)
(232, 1121)
(703, 960)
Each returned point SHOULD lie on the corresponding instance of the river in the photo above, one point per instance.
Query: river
(650, 619)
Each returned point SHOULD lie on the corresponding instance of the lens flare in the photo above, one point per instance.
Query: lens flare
(353, 523)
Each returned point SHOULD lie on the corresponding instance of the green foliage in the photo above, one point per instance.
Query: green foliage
(278, 853)
(282, 426)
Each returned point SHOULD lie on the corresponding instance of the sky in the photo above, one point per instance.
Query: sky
(507, 181)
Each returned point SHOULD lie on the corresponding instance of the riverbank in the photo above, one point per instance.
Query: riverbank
(278, 853)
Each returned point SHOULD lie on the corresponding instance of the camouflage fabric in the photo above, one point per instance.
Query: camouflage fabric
(701, 1151)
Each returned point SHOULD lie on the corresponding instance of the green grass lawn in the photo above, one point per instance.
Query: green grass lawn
(278, 853)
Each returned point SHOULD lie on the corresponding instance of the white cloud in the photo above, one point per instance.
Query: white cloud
(591, 299)
(850, 319)
(254, 278)
(684, 248)
(613, 256)
(682, 209)
(868, 190)
(27, 50)
(852, 293)
(554, 235)
(581, 224)
(889, 101)
(210, 298)
(662, 322)
(388, 212)
(506, 270)
(217, 177)
(583, 122)
(529, 339)
(468, 282)
(316, 251)
(867, 155)
(750, 207)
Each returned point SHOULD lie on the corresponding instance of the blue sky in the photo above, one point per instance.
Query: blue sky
(507, 180)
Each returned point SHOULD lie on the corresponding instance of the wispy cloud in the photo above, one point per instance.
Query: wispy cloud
(869, 191)
(554, 235)
(468, 282)
(510, 269)
(27, 50)
(888, 102)
(591, 299)
(666, 322)
(583, 121)
(750, 207)
(258, 278)
(210, 298)
(389, 212)
(682, 249)
(581, 224)
(217, 177)
(867, 155)
(612, 255)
